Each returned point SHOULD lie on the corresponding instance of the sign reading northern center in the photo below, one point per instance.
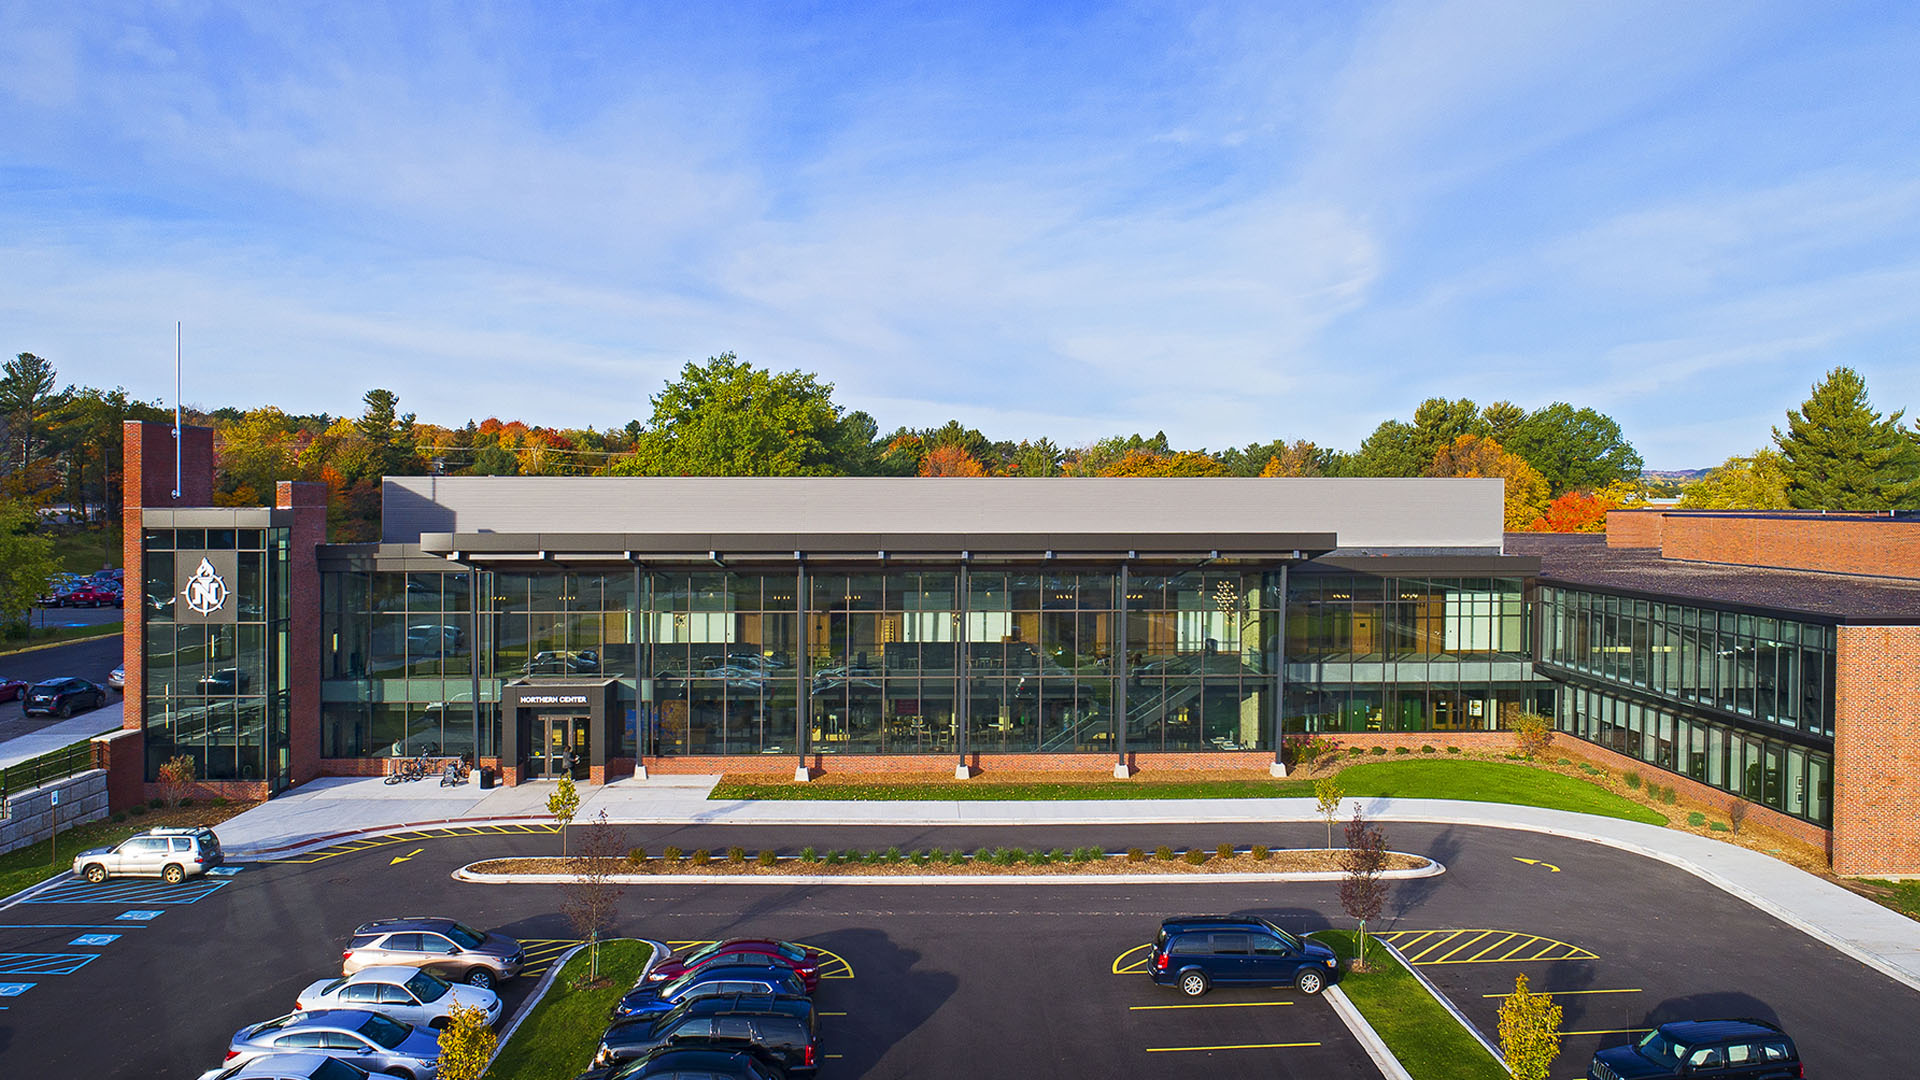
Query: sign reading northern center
(553, 699)
(203, 587)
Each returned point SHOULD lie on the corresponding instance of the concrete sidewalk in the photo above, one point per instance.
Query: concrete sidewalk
(330, 809)
(65, 733)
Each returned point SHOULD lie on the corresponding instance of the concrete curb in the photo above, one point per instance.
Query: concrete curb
(64, 641)
(27, 893)
(659, 953)
(1363, 1033)
(467, 874)
(1447, 1004)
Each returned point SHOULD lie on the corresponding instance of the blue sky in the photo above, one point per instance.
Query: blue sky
(1231, 222)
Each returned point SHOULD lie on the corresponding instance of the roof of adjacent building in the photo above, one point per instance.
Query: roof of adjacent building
(1584, 560)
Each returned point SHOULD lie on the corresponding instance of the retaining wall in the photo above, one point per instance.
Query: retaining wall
(30, 814)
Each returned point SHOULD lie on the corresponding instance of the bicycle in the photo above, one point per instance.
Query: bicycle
(455, 773)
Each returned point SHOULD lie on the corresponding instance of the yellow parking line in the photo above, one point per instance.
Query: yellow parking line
(1236, 1046)
(1463, 946)
(832, 1014)
(1412, 937)
(1563, 993)
(1490, 948)
(1211, 1005)
(1437, 945)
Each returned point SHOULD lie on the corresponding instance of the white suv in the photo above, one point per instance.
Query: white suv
(171, 855)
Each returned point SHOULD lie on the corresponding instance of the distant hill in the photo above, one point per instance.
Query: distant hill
(1681, 476)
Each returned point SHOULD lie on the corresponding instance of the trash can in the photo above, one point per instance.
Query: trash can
(486, 777)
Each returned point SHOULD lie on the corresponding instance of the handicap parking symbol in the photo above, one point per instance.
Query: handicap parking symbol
(14, 989)
(95, 939)
(223, 871)
(139, 916)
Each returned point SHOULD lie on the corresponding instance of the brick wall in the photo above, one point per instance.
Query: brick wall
(147, 480)
(1634, 528)
(1693, 791)
(308, 501)
(1876, 751)
(123, 756)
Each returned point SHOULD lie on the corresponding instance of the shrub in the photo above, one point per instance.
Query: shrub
(1163, 853)
(737, 856)
(672, 854)
(1668, 796)
(1532, 734)
(1428, 750)
(874, 858)
(1136, 855)
(809, 855)
(919, 857)
(701, 856)
(1718, 826)
(219, 800)
(185, 802)
(1009, 856)
(1224, 851)
(636, 856)
(1588, 769)
(833, 857)
(155, 804)
(1196, 857)
(767, 857)
(894, 854)
(983, 855)
(1453, 749)
(1088, 854)
(1402, 750)
(1378, 751)
(1633, 780)
(118, 818)
(1356, 751)
(1260, 853)
(1697, 819)
(1562, 761)
(137, 809)
(1060, 854)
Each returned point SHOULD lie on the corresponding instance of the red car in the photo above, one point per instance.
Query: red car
(92, 596)
(11, 689)
(805, 962)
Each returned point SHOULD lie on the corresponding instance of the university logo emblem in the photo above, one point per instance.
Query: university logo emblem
(205, 592)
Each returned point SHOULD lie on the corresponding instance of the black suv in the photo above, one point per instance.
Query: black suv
(1197, 952)
(674, 1063)
(780, 1030)
(1722, 1049)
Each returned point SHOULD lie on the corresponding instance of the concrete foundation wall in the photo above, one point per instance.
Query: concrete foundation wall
(30, 815)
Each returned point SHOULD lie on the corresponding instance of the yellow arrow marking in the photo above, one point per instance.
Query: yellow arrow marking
(408, 855)
(1537, 862)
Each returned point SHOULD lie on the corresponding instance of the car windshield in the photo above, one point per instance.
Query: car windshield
(332, 986)
(703, 951)
(427, 986)
(466, 936)
(1292, 942)
(792, 952)
(277, 1024)
(1661, 1050)
(335, 1069)
(388, 1033)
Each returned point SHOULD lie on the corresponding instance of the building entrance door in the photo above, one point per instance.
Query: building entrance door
(562, 747)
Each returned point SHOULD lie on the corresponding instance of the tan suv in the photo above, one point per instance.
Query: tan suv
(446, 947)
(172, 855)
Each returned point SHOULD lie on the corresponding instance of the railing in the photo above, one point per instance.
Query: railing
(55, 765)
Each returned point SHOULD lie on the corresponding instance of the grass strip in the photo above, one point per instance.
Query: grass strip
(40, 637)
(557, 1040)
(1426, 1038)
(1472, 781)
(1901, 896)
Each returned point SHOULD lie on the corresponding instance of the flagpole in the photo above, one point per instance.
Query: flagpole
(176, 411)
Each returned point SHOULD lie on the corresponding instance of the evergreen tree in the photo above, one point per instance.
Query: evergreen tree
(1840, 454)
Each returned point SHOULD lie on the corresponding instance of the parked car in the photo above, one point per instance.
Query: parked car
(63, 697)
(403, 993)
(428, 638)
(11, 689)
(563, 662)
(373, 1041)
(1196, 952)
(1734, 1049)
(446, 947)
(305, 1065)
(780, 1030)
(225, 681)
(91, 595)
(117, 679)
(173, 855)
(757, 979)
(804, 961)
(676, 1063)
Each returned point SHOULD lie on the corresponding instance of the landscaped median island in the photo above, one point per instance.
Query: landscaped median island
(1224, 860)
(1429, 1042)
(556, 1040)
(1451, 777)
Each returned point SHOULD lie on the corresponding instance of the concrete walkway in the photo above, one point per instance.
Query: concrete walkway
(65, 733)
(327, 810)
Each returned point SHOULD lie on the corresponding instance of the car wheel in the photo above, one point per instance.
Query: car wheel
(1310, 981)
(480, 977)
(95, 873)
(173, 874)
(438, 1023)
(65, 710)
(1193, 984)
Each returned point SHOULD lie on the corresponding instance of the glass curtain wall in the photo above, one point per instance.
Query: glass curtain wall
(1367, 653)
(218, 693)
(1774, 671)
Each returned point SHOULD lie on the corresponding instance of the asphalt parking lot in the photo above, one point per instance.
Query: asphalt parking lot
(963, 981)
(90, 660)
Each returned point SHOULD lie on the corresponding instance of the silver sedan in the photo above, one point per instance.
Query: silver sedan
(406, 994)
(376, 1043)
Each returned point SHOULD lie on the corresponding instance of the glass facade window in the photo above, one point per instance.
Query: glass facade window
(217, 692)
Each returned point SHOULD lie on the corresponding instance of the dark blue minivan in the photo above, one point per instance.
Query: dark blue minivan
(1198, 952)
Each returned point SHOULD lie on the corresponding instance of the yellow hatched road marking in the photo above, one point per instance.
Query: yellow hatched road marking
(1564, 993)
(1503, 940)
(1124, 966)
(1441, 944)
(1506, 946)
(1211, 1005)
(1234, 1046)
(1463, 946)
(365, 843)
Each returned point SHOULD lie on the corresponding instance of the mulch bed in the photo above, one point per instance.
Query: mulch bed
(1290, 861)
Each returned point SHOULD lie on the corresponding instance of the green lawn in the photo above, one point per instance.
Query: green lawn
(557, 1040)
(1425, 1037)
(51, 635)
(35, 863)
(85, 551)
(1475, 781)
(1901, 896)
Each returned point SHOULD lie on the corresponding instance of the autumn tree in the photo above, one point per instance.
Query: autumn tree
(950, 461)
(1327, 794)
(1757, 481)
(1363, 891)
(1298, 458)
(1178, 463)
(467, 1043)
(563, 804)
(1839, 453)
(591, 893)
(1529, 1032)
(1472, 455)
(1576, 511)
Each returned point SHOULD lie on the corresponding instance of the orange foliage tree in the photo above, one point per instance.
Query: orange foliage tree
(950, 461)
(1472, 455)
(1576, 511)
(1179, 463)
